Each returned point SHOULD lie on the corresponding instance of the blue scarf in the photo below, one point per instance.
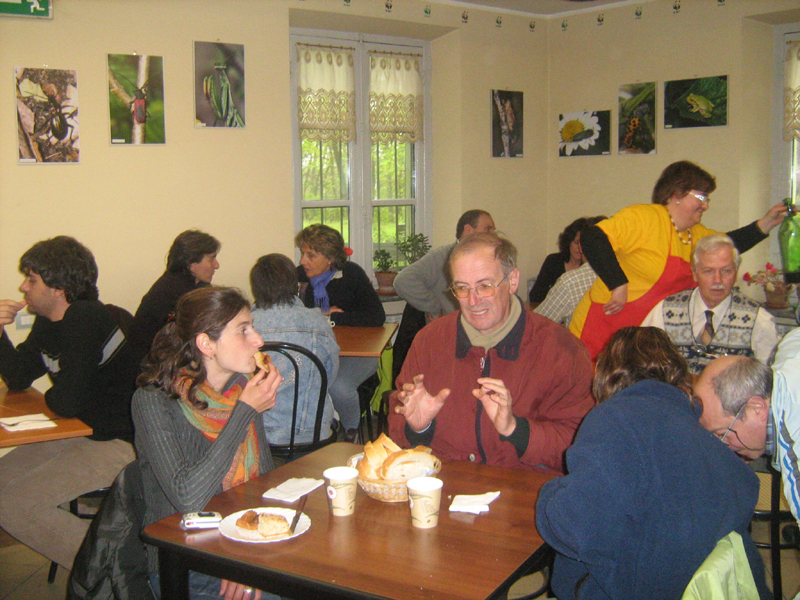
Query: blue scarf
(320, 291)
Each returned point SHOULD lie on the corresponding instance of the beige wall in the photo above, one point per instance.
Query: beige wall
(127, 204)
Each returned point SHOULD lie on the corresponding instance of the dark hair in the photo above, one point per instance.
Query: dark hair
(65, 264)
(637, 354)
(325, 240)
(273, 280)
(174, 352)
(566, 237)
(680, 178)
(189, 248)
(470, 218)
(504, 250)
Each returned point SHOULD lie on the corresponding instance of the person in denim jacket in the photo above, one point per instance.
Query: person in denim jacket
(280, 316)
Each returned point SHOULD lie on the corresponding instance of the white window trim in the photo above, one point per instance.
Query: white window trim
(361, 220)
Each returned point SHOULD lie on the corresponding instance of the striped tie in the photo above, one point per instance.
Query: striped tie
(708, 331)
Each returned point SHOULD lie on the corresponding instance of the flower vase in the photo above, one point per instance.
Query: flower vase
(777, 297)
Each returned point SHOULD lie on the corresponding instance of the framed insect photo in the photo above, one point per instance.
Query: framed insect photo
(699, 102)
(47, 116)
(136, 99)
(218, 84)
(507, 122)
(637, 118)
(586, 133)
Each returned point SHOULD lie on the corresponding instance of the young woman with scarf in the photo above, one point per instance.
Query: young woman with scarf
(197, 415)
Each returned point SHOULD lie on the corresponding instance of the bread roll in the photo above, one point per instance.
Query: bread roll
(262, 361)
(272, 527)
(407, 464)
(388, 444)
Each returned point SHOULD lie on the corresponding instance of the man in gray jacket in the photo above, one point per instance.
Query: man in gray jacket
(424, 285)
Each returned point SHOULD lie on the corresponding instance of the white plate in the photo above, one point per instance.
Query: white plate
(228, 525)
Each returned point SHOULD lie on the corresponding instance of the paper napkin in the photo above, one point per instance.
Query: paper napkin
(292, 489)
(473, 504)
(37, 421)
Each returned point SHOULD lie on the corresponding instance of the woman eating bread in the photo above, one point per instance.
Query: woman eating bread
(198, 416)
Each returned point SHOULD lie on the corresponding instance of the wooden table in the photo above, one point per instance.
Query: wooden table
(363, 341)
(376, 553)
(30, 401)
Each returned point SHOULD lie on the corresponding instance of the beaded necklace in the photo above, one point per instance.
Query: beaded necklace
(687, 242)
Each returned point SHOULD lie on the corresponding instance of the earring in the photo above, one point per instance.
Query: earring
(678, 202)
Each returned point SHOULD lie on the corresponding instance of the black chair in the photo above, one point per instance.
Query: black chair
(288, 451)
(74, 508)
(773, 508)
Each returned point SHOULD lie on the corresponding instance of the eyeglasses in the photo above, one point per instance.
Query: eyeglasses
(484, 290)
(702, 197)
(730, 427)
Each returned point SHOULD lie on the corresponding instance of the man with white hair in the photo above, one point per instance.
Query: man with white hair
(714, 319)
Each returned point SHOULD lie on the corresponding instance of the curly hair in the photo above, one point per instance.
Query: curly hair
(637, 354)
(174, 352)
(679, 179)
(324, 240)
(189, 248)
(65, 264)
(273, 280)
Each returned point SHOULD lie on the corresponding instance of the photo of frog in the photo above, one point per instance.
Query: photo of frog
(699, 102)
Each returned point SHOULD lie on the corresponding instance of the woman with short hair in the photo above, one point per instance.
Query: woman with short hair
(280, 316)
(191, 263)
(649, 492)
(197, 415)
(344, 293)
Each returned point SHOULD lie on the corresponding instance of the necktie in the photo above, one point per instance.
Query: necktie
(708, 330)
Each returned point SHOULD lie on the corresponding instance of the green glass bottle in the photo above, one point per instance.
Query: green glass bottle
(789, 237)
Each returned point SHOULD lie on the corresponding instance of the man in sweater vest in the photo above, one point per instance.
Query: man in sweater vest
(714, 319)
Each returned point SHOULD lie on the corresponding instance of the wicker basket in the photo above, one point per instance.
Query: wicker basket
(385, 491)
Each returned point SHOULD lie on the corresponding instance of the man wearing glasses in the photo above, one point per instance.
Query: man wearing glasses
(492, 383)
(755, 409)
(713, 319)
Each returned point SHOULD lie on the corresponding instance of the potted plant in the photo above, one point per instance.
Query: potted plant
(414, 247)
(383, 263)
(776, 290)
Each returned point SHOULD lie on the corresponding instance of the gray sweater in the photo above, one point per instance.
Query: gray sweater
(181, 469)
(424, 284)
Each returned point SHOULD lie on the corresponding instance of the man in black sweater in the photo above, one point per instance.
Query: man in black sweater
(76, 341)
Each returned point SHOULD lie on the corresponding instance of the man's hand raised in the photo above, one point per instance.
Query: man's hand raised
(9, 310)
(419, 407)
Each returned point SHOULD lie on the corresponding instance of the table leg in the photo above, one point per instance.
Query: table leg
(174, 575)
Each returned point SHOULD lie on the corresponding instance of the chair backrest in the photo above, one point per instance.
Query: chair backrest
(122, 318)
(724, 575)
(286, 349)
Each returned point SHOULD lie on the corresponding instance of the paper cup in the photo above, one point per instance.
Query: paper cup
(340, 485)
(424, 496)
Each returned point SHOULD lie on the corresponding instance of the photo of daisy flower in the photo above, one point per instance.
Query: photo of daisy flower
(584, 133)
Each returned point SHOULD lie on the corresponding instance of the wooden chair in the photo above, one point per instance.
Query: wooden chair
(288, 451)
(773, 508)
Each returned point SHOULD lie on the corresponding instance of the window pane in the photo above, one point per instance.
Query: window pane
(393, 173)
(337, 217)
(325, 167)
(391, 224)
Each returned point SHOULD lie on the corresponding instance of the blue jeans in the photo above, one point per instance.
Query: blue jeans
(201, 587)
(353, 371)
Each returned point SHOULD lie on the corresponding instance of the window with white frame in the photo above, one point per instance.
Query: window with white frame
(359, 138)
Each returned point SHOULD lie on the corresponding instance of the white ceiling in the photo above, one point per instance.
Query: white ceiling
(540, 8)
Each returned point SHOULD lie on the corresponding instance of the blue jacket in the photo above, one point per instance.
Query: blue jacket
(306, 327)
(648, 495)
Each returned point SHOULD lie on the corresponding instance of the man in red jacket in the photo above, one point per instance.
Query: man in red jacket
(507, 387)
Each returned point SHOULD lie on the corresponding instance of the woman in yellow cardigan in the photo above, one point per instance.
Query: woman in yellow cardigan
(643, 253)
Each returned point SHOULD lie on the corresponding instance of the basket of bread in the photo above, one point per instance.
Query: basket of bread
(384, 467)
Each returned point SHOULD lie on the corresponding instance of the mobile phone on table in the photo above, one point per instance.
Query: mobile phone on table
(205, 519)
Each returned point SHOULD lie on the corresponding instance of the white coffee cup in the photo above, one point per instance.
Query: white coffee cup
(424, 497)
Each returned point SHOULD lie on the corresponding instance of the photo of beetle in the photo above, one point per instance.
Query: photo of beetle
(47, 115)
(136, 99)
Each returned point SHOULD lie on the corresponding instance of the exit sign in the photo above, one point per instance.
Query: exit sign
(27, 8)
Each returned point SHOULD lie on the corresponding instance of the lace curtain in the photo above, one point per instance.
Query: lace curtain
(395, 97)
(326, 93)
(791, 92)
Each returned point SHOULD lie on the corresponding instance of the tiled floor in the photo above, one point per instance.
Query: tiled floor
(23, 573)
